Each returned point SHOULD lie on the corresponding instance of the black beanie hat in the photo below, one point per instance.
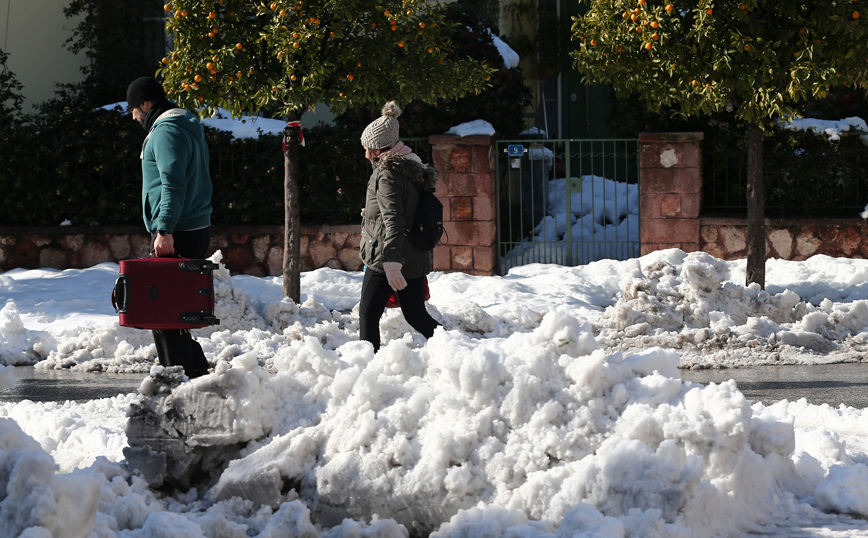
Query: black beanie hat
(144, 89)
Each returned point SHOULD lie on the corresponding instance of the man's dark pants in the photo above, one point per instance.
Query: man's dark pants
(176, 347)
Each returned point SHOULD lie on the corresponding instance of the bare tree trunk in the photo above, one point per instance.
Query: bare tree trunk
(756, 206)
(292, 219)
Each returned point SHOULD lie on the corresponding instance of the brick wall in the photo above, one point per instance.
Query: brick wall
(466, 184)
(671, 191)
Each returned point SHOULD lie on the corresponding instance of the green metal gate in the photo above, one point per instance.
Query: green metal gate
(568, 202)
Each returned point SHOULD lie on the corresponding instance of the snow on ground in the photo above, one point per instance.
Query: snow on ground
(550, 404)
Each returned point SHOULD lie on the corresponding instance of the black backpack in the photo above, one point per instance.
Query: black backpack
(427, 227)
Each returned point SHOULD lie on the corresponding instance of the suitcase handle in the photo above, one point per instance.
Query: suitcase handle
(120, 294)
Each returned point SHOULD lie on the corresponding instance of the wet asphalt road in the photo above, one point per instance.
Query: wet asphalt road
(833, 384)
(62, 385)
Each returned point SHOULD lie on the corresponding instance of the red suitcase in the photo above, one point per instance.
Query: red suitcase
(165, 293)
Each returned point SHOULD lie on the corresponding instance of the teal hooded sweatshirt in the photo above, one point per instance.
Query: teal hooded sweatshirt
(176, 184)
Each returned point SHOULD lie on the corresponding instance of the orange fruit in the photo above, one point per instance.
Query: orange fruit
(280, 55)
(593, 42)
(430, 49)
(201, 98)
(639, 29)
(747, 46)
(350, 78)
(421, 25)
(400, 43)
(273, 6)
(212, 15)
(708, 11)
(239, 46)
(633, 17)
(283, 13)
(296, 45)
(341, 94)
(165, 60)
(742, 6)
(167, 7)
(293, 78)
(654, 24)
(855, 14)
(648, 46)
(209, 66)
(184, 13)
(387, 13)
(198, 78)
(655, 36)
(669, 8)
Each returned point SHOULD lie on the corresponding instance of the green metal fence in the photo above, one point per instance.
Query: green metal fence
(568, 202)
(804, 176)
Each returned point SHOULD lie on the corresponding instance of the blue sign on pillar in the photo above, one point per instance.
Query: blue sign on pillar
(515, 150)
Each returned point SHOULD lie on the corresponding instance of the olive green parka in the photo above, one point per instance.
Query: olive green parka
(390, 207)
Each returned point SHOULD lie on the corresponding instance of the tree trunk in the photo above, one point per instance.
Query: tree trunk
(292, 219)
(756, 207)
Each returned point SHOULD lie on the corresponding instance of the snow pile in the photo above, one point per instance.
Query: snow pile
(602, 219)
(18, 345)
(543, 407)
(693, 307)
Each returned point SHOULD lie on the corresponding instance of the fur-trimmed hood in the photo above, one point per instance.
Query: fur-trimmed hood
(404, 165)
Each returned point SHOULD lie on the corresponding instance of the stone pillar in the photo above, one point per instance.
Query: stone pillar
(671, 191)
(466, 184)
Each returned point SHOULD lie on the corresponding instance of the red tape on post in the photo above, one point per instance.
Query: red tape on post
(300, 133)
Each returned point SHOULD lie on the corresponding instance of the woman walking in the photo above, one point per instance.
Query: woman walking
(392, 263)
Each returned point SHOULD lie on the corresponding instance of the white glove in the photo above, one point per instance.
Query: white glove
(394, 276)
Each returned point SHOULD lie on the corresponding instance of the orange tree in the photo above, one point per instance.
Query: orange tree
(757, 59)
(286, 56)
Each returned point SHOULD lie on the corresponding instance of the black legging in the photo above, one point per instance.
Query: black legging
(375, 294)
(176, 347)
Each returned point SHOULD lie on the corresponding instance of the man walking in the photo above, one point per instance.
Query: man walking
(176, 199)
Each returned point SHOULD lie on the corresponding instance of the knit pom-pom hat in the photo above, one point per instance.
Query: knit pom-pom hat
(382, 133)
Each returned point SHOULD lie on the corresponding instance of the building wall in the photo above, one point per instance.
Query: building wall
(33, 33)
